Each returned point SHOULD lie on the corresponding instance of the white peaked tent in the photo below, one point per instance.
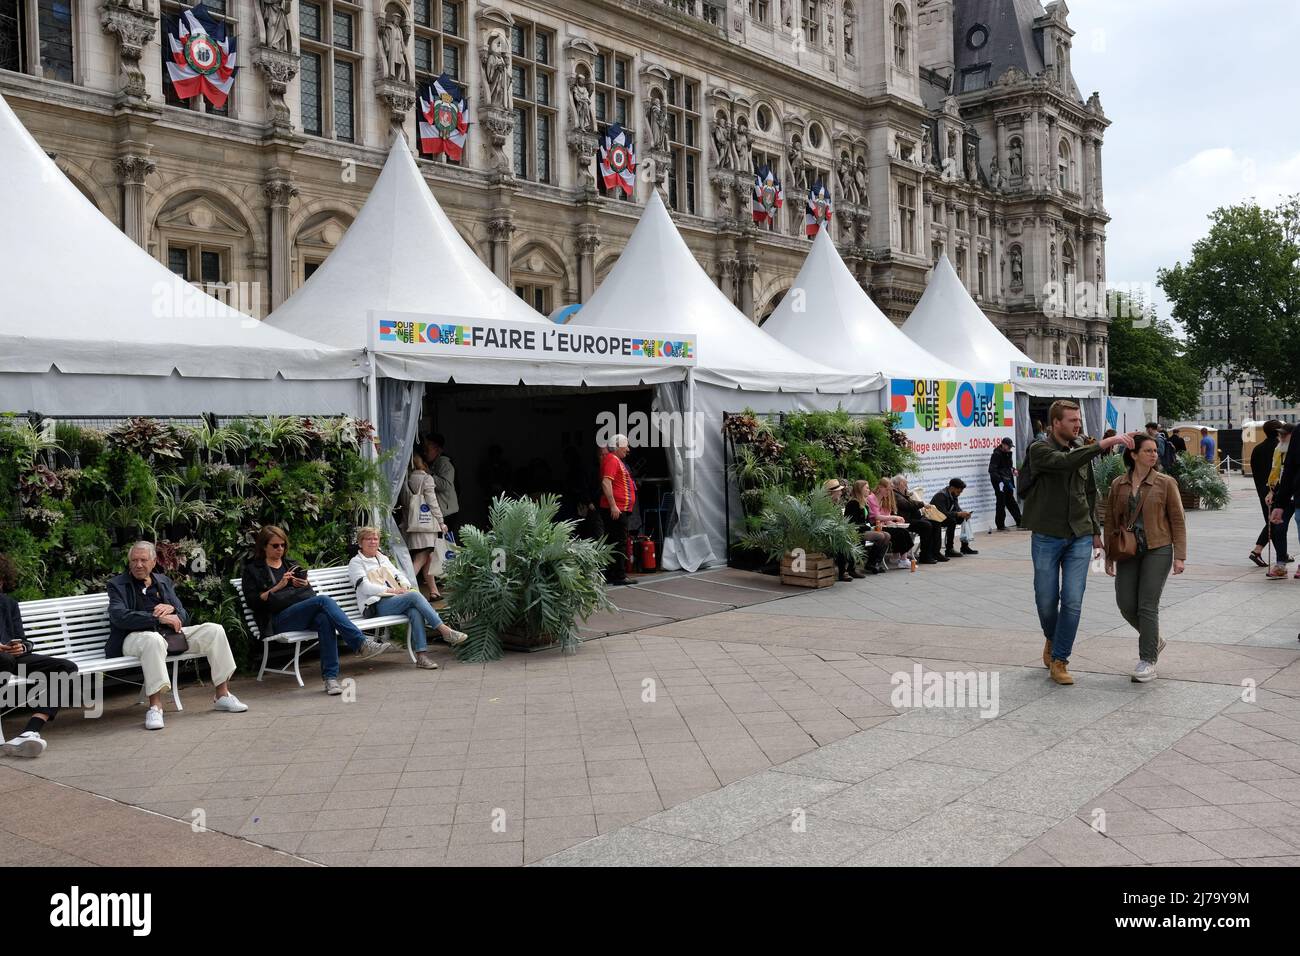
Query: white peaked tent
(91, 324)
(948, 323)
(657, 283)
(838, 324)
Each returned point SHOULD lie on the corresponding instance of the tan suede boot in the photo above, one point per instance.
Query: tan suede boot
(1047, 653)
(1060, 674)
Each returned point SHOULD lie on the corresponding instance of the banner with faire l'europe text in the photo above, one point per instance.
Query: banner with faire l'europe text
(953, 426)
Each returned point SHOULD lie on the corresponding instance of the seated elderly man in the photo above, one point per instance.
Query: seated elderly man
(148, 621)
(907, 505)
(954, 518)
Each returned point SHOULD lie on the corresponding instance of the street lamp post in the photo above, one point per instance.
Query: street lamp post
(1257, 388)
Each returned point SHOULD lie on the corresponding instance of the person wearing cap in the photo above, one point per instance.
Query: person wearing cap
(617, 498)
(846, 566)
(1002, 473)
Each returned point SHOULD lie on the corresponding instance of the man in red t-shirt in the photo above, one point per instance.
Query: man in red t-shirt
(617, 498)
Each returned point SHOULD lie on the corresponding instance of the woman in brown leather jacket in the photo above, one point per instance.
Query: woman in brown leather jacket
(1146, 501)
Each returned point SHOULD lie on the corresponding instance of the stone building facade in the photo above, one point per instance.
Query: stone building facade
(938, 126)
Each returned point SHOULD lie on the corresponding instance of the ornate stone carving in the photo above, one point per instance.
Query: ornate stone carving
(744, 143)
(1017, 269)
(657, 120)
(584, 112)
(500, 227)
(278, 192)
(398, 96)
(500, 123)
(394, 40)
(724, 143)
(274, 19)
(588, 240)
(131, 169)
(583, 145)
(844, 175)
(279, 67)
(134, 26)
(496, 60)
(798, 164)
(660, 161)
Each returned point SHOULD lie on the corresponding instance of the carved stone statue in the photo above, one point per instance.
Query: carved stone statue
(584, 112)
(275, 24)
(860, 180)
(996, 182)
(1052, 256)
(926, 146)
(744, 145)
(393, 37)
(797, 163)
(496, 71)
(1017, 268)
(724, 142)
(786, 19)
(844, 173)
(1015, 163)
(972, 162)
(657, 117)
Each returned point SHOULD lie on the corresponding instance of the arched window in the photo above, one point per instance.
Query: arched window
(766, 312)
(1060, 63)
(1072, 354)
(1063, 165)
(899, 20)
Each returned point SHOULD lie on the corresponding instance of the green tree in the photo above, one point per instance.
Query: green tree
(1148, 361)
(1239, 296)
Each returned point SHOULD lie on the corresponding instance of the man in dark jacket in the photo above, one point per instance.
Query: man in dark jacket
(17, 659)
(1288, 486)
(1002, 473)
(143, 611)
(1261, 463)
(954, 518)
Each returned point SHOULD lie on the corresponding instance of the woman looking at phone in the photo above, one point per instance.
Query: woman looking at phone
(278, 593)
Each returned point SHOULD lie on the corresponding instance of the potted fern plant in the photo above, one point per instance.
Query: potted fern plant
(806, 533)
(525, 583)
(1199, 481)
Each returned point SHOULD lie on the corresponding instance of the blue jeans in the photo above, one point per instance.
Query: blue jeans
(1060, 575)
(417, 610)
(330, 623)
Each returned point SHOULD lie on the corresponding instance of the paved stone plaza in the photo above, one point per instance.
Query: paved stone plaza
(770, 739)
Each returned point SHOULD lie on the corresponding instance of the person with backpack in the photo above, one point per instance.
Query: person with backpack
(423, 525)
(1061, 511)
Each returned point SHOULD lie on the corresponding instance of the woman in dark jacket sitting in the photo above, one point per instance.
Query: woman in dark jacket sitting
(277, 592)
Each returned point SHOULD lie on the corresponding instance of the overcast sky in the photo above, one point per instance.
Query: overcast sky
(1202, 98)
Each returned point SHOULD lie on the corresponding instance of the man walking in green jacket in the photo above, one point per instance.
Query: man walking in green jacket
(1061, 511)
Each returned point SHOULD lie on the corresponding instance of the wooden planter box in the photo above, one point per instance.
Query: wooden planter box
(818, 571)
(516, 639)
(1190, 502)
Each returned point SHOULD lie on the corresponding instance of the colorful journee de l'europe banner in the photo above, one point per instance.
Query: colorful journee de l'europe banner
(953, 426)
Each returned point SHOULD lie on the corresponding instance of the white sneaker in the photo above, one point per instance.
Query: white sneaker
(1145, 671)
(229, 703)
(27, 744)
(372, 648)
(333, 687)
(456, 637)
(153, 719)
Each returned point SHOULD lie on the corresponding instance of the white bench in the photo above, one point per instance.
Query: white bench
(334, 583)
(76, 629)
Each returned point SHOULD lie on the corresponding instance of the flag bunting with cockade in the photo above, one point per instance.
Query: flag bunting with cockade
(203, 56)
(617, 159)
(444, 118)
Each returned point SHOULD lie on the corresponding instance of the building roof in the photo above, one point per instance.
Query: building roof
(657, 284)
(948, 323)
(402, 254)
(837, 323)
(81, 297)
(1010, 43)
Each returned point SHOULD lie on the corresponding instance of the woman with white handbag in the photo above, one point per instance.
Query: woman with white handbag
(423, 524)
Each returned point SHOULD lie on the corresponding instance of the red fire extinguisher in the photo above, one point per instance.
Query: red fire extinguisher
(647, 554)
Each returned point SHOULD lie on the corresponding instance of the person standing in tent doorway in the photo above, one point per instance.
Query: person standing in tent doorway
(1061, 511)
(1002, 473)
(617, 498)
(444, 479)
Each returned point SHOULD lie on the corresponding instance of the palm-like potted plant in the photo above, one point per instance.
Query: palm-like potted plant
(806, 533)
(1199, 481)
(526, 582)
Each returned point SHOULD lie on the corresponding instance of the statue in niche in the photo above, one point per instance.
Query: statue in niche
(657, 117)
(724, 142)
(496, 72)
(584, 110)
(844, 173)
(972, 162)
(743, 144)
(996, 182)
(394, 35)
(1017, 268)
(797, 163)
(1052, 257)
(927, 147)
(860, 179)
(1015, 163)
(275, 24)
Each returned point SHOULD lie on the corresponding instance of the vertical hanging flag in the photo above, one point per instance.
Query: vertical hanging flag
(203, 56)
(444, 118)
(618, 159)
(769, 195)
(818, 210)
